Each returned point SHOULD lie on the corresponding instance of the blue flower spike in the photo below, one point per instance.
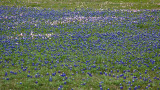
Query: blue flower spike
(50, 78)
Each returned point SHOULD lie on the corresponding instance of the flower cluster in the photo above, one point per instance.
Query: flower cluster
(119, 48)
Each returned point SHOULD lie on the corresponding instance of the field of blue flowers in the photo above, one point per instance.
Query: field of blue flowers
(79, 49)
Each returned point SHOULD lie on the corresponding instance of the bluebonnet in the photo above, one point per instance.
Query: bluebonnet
(101, 88)
(47, 73)
(36, 82)
(7, 78)
(89, 74)
(65, 82)
(53, 74)
(28, 75)
(121, 87)
(50, 78)
(83, 83)
(6, 73)
(63, 74)
(129, 88)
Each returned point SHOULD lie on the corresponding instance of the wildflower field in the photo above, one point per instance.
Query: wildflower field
(47, 49)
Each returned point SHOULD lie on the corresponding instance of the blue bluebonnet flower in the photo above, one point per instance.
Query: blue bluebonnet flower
(82, 71)
(36, 76)
(6, 73)
(140, 77)
(101, 73)
(28, 75)
(32, 64)
(65, 82)
(50, 79)
(47, 73)
(105, 74)
(101, 88)
(59, 88)
(129, 88)
(7, 78)
(51, 67)
(66, 77)
(83, 83)
(12, 64)
(36, 82)
(89, 74)
(146, 72)
(129, 82)
(121, 75)
(12, 72)
(121, 87)
(24, 69)
(63, 74)
(53, 74)
(35, 68)
(117, 70)
(135, 88)
(15, 73)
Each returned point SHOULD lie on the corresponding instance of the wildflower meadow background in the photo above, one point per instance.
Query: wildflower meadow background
(80, 45)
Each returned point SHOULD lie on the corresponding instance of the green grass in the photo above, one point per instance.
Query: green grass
(94, 4)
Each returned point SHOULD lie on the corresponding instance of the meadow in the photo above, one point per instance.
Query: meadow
(49, 48)
(94, 4)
